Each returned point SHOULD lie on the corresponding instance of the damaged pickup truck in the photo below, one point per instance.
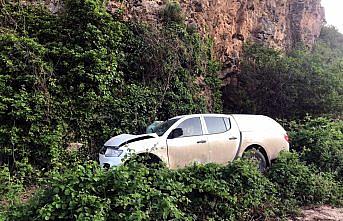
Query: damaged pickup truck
(202, 138)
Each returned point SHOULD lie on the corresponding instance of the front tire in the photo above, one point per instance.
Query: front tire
(149, 161)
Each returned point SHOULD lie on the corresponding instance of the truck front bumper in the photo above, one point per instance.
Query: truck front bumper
(110, 161)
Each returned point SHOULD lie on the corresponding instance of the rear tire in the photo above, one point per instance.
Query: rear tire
(255, 154)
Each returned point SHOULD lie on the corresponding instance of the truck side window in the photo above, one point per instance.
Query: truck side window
(191, 127)
(227, 123)
(215, 125)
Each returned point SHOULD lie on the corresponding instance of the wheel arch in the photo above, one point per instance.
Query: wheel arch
(149, 158)
(261, 149)
(154, 158)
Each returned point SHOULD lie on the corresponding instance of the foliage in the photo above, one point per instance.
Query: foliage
(330, 36)
(135, 192)
(237, 191)
(83, 75)
(24, 103)
(287, 85)
(185, 58)
(320, 142)
(10, 189)
(172, 12)
(300, 185)
(12, 185)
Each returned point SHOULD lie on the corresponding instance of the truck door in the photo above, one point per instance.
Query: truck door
(223, 138)
(188, 145)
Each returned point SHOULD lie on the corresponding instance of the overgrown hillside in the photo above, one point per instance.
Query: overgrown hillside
(238, 191)
(83, 75)
(290, 85)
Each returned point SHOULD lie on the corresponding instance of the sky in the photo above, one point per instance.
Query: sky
(334, 13)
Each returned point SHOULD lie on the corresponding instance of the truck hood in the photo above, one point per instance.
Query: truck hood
(123, 139)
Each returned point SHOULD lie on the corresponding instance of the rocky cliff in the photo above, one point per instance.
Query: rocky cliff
(278, 23)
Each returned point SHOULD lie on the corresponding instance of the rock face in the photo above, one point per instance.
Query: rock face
(279, 23)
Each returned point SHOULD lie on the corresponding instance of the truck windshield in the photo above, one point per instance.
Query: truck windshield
(163, 127)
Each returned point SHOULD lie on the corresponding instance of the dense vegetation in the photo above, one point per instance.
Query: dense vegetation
(83, 75)
(319, 142)
(290, 85)
(238, 191)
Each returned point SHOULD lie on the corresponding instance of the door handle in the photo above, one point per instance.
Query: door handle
(233, 138)
(201, 141)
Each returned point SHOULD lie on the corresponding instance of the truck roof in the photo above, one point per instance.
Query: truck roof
(246, 122)
(249, 122)
(197, 115)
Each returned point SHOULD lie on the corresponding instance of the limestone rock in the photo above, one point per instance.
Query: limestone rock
(278, 23)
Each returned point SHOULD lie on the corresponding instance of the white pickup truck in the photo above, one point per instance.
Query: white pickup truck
(201, 138)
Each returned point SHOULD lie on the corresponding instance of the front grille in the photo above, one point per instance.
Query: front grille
(104, 148)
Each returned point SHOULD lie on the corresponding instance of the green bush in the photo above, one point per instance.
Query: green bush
(320, 142)
(237, 191)
(83, 75)
(134, 192)
(13, 183)
(287, 85)
(172, 12)
(300, 185)
(330, 36)
(88, 192)
(10, 189)
(24, 97)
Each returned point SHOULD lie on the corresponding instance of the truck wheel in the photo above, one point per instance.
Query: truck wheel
(256, 155)
(149, 161)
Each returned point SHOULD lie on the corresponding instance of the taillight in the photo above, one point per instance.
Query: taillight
(286, 138)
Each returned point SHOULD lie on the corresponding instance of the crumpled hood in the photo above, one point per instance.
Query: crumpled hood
(123, 139)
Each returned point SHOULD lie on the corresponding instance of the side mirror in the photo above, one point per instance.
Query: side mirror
(177, 132)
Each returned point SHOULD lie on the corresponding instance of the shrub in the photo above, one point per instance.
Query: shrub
(300, 185)
(134, 192)
(83, 75)
(286, 85)
(88, 192)
(320, 142)
(330, 36)
(10, 189)
(24, 98)
(237, 191)
(172, 12)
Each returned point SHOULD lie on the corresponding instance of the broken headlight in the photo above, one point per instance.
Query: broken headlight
(112, 152)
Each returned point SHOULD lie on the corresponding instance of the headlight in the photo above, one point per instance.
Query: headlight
(113, 152)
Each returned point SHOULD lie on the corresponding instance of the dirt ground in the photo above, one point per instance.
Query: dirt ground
(322, 213)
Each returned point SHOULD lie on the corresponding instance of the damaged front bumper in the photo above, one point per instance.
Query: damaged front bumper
(110, 161)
